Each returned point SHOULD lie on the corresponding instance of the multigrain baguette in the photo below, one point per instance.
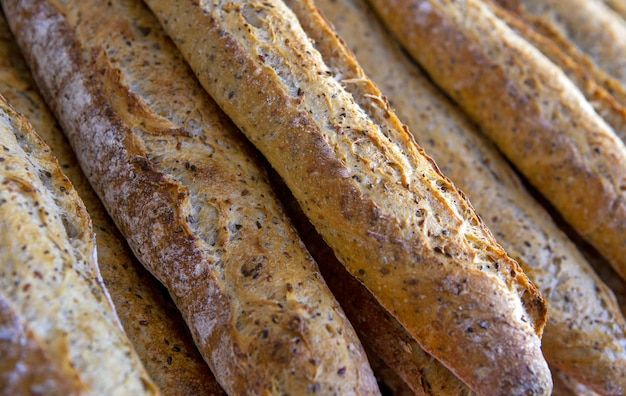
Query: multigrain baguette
(52, 295)
(584, 321)
(542, 35)
(383, 337)
(528, 107)
(150, 319)
(604, 93)
(394, 221)
(580, 66)
(380, 332)
(20, 346)
(192, 201)
(590, 25)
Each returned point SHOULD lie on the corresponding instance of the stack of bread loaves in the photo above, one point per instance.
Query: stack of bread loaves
(390, 249)
(149, 318)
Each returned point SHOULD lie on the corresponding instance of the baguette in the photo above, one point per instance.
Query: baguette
(192, 201)
(604, 93)
(583, 313)
(528, 107)
(52, 297)
(384, 339)
(151, 321)
(579, 58)
(396, 223)
(590, 25)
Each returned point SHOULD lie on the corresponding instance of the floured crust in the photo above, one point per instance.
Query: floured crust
(25, 367)
(342, 161)
(151, 321)
(202, 220)
(528, 107)
(140, 305)
(49, 271)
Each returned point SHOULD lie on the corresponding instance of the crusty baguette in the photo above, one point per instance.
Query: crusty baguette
(383, 337)
(150, 319)
(581, 59)
(582, 310)
(50, 278)
(590, 25)
(528, 107)
(577, 64)
(604, 93)
(394, 221)
(189, 196)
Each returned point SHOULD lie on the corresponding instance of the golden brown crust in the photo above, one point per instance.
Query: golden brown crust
(49, 272)
(589, 24)
(400, 363)
(528, 107)
(426, 246)
(152, 323)
(203, 220)
(606, 94)
(583, 314)
(383, 337)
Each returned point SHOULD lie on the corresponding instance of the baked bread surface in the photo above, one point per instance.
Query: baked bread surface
(528, 107)
(583, 313)
(150, 319)
(425, 254)
(51, 287)
(590, 25)
(191, 199)
(397, 359)
(606, 94)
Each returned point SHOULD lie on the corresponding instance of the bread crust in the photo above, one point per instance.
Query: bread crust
(388, 345)
(50, 276)
(20, 347)
(150, 319)
(527, 106)
(191, 199)
(397, 359)
(592, 26)
(606, 94)
(582, 310)
(426, 246)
